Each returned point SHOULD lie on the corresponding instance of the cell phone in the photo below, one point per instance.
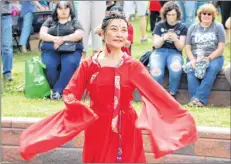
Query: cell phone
(171, 30)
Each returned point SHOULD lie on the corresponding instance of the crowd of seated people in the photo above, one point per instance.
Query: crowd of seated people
(205, 42)
(202, 41)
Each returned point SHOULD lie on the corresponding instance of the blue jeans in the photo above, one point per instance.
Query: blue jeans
(7, 44)
(199, 4)
(162, 57)
(26, 28)
(59, 67)
(201, 89)
(75, 5)
(188, 11)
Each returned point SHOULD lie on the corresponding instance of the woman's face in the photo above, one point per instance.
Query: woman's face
(171, 16)
(116, 33)
(206, 17)
(63, 10)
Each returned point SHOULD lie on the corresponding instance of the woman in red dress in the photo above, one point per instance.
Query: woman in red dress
(112, 127)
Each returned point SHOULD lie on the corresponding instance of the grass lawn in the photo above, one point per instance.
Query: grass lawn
(15, 104)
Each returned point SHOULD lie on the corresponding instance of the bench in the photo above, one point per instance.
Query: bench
(220, 94)
(213, 146)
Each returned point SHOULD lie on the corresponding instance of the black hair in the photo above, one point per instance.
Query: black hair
(67, 4)
(115, 14)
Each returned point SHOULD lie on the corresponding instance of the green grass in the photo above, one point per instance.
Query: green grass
(14, 103)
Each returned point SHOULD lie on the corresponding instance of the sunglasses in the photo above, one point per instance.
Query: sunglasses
(209, 14)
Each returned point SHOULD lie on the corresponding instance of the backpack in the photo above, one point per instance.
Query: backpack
(144, 59)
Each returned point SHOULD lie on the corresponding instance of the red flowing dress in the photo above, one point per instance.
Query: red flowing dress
(170, 126)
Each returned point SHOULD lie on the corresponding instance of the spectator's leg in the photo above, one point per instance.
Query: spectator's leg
(52, 60)
(157, 63)
(26, 30)
(199, 4)
(129, 8)
(98, 13)
(204, 90)
(84, 17)
(69, 64)
(141, 11)
(75, 5)
(225, 14)
(7, 47)
(228, 73)
(153, 19)
(174, 64)
(190, 6)
(181, 4)
(193, 84)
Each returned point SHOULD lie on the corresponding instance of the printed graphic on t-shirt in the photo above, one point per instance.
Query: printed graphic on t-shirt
(205, 40)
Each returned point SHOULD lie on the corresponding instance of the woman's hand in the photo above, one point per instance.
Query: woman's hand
(193, 62)
(166, 36)
(172, 36)
(57, 42)
(208, 58)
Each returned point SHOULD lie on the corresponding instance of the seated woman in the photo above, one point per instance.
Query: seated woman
(205, 40)
(169, 40)
(62, 27)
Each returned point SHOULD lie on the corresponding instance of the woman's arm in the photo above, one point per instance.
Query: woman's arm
(228, 23)
(221, 42)
(180, 43)
(218, 51)
(190, 55)
(170, 126)
(44, 36)
(64, 125)
(158, 41)
(39, 6)
(76, 36)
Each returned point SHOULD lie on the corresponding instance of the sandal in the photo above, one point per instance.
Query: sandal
(173, 95)
(197, 103)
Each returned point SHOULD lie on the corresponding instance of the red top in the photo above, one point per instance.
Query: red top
(170, 126)
(130, 38)
(154, 5)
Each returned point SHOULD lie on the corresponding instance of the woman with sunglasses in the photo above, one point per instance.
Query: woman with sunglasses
(205, 40)
(62, 27)
(111, 126)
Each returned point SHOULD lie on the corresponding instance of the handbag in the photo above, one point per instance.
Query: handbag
(200, 68)
(144, 59)
(67, 46)
(36, 84)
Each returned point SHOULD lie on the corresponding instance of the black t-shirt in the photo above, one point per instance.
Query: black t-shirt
(162, 27)
(58, 29)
